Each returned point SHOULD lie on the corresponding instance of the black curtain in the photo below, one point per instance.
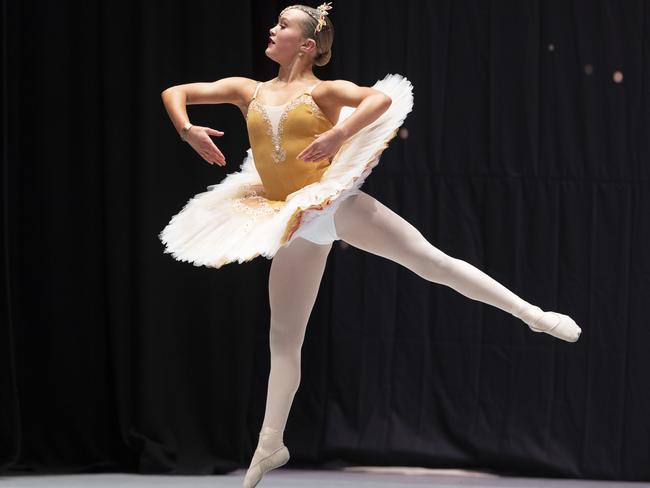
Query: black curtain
(527, 154)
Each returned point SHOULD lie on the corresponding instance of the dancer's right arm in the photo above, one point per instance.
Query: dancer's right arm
(176, 98)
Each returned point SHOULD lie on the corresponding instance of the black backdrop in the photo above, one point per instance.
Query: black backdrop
(524, 156)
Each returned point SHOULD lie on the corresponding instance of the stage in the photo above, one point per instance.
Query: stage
(384, 477)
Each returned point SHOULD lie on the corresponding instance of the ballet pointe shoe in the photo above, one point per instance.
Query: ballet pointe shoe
(553, 323)
(275, 459)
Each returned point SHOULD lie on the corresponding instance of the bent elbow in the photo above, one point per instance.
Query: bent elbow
(388, 101)
(167, 91)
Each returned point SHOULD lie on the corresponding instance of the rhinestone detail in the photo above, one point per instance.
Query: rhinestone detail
(279, 154)
(253, 202)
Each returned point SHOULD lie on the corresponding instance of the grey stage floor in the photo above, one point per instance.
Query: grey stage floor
(382, 477)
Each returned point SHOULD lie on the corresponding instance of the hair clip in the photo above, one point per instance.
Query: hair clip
(322, 8)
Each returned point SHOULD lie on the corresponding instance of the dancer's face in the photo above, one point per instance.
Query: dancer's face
(287, 38)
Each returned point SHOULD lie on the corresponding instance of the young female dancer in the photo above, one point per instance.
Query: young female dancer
(299, 191)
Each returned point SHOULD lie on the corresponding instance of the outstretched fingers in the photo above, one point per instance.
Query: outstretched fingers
(213, 154)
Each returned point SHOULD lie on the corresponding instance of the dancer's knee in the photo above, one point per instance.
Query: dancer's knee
(434, 265)
(283, 336)
(442, 262)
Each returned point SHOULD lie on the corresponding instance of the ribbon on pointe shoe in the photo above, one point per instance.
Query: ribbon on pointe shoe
(274, 453)
(274, 460)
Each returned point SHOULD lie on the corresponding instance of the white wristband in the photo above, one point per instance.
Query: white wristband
(184, 130)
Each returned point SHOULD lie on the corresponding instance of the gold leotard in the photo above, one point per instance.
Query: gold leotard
(275, 148)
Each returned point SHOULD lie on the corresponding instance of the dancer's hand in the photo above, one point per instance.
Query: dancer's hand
(326, 144)
(199, 138)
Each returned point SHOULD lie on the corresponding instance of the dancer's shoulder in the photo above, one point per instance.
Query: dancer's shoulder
(343, 92)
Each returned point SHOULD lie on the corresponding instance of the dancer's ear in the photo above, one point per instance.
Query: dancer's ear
(309, 46)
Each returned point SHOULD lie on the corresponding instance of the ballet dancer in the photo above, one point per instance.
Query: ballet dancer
(299, 191)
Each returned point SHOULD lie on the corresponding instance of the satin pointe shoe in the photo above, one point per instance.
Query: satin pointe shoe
(556, 324)
(274, 460)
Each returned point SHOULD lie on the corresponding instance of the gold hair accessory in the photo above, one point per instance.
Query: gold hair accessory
(322, 9)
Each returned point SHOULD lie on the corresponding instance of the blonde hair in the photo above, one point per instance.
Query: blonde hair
(323, 38)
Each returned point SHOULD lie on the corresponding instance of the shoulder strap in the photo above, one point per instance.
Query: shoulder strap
(259, 83)
(313, 86)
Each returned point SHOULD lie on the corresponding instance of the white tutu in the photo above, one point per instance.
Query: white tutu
(214, 227)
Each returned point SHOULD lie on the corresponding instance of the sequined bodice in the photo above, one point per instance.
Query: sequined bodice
(277, 134)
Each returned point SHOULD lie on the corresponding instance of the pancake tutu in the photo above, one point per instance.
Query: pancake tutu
(233, 221)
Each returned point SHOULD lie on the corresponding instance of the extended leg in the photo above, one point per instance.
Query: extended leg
(294, 279)
(366, 223)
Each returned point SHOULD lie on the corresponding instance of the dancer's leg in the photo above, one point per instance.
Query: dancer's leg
(366, 223)
(294, 279)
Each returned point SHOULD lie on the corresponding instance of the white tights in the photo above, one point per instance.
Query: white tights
(296, 272)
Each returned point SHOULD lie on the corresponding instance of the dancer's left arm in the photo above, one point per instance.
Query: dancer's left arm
(370, 103)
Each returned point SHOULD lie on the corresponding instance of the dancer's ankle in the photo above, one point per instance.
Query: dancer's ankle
(269, 454)
(270, 439)
(527, 312)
